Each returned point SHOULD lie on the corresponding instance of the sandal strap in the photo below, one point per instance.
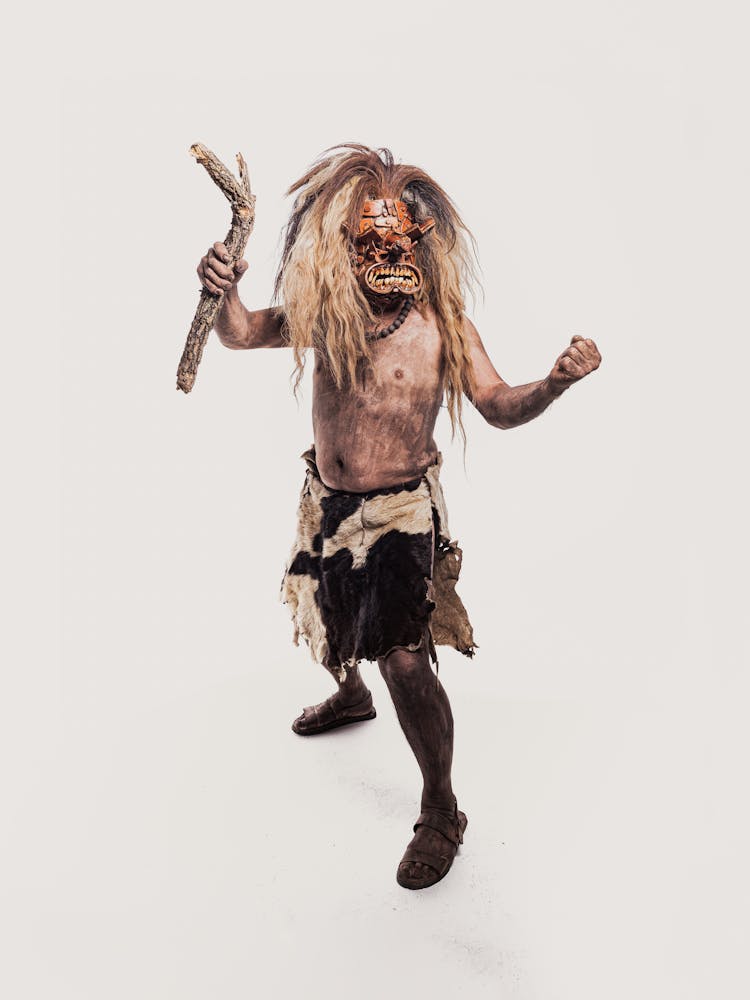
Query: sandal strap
(439, 821)
(359, 709)
(325, 713)
(351, 711)
(435, 861)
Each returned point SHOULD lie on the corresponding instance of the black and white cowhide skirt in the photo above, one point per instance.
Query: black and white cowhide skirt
(372, 572)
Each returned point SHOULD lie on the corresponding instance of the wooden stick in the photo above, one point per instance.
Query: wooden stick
(242, 201)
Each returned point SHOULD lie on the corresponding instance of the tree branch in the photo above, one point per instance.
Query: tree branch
(242, 201)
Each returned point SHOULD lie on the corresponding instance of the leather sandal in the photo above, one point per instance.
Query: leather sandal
(330, 715)
(439, 864)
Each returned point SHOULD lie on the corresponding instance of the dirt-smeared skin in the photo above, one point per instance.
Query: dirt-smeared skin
(381, 433)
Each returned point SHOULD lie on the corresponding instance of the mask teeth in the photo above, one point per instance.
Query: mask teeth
(390, 275)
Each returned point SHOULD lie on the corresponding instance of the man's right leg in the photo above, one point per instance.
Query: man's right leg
(351, 702)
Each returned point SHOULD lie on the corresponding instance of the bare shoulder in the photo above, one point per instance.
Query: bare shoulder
(428, 315)
(472, 334)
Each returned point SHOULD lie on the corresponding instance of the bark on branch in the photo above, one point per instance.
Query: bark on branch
(242, 201)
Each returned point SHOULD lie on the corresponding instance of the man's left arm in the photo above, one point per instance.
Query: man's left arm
(506, 406)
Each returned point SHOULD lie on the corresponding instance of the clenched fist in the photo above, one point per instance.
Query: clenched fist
(580, 358)
(215, 271)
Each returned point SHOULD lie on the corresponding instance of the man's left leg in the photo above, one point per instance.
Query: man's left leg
(425, 716)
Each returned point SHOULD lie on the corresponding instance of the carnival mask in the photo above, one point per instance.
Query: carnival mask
(383, 256)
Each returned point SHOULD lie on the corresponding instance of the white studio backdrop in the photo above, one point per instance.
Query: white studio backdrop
(170, 836)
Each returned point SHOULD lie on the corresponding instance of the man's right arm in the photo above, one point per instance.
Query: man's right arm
(237, 327)
(240, 329)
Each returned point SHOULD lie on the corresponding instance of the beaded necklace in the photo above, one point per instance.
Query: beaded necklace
(405, 310)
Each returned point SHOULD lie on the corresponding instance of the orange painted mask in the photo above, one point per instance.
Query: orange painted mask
(383, 254)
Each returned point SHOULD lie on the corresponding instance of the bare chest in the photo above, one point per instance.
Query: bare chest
(406, 372)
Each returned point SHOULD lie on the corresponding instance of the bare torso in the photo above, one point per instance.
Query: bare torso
(382, 434)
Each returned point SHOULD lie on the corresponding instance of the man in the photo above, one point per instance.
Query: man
(373, 278)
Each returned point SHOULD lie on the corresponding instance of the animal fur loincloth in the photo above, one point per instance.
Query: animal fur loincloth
(371, 572)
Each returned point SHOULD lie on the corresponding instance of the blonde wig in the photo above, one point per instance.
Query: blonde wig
(322, 303)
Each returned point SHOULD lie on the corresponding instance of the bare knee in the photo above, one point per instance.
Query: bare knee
(403, 667)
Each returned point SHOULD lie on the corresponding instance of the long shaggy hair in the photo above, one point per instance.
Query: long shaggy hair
(321, 301)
